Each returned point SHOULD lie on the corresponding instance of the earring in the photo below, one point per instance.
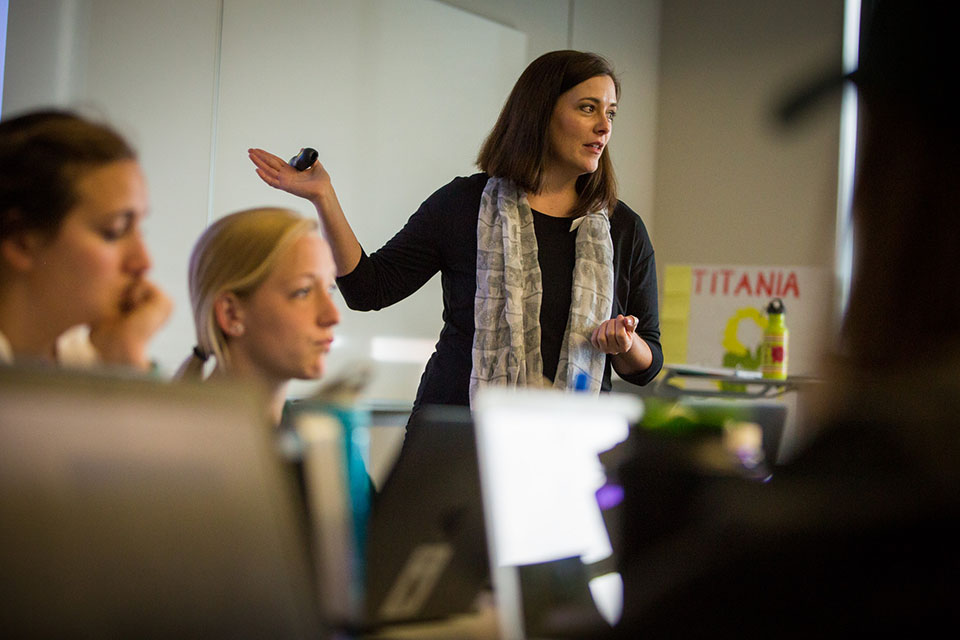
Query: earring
(236, 328)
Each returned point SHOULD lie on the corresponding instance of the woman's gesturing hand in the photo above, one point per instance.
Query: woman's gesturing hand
(313, 184)
(615, 336)
(275, 171)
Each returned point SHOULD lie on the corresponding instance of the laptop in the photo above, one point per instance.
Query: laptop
(421, 555)
(544, 494)
(132, 507)
(426, 544)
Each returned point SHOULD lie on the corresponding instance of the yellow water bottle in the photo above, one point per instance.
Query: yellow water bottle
(773, 362)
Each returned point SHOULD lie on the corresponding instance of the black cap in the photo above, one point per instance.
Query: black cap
(908, 54)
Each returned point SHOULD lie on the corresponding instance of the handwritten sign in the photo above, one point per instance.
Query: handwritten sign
(714, 315)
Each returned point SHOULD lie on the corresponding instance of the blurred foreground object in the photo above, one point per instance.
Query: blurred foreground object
(135, 508)
(858, 533)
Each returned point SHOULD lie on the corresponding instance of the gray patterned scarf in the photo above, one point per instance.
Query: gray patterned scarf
(506, 342)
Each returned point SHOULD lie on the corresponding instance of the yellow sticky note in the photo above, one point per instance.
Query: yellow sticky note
(673, 339)
(675, 313)
(678, 278)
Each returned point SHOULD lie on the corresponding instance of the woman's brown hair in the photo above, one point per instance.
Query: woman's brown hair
(42, 155)
(517, 146)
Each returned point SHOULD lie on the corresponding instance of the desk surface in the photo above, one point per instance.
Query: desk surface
(740, 384)
(481, 625)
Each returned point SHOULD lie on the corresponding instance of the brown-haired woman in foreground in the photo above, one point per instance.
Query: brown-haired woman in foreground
(73, 262)
(526, 302)
(260, 287)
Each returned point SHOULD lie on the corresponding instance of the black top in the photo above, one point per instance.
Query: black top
(442, 236)
(556, 253)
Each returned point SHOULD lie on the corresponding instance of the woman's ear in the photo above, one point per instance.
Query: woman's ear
(19, 249)
(228, 312)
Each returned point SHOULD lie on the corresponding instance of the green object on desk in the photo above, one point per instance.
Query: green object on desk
(674, 418)
(747, 362)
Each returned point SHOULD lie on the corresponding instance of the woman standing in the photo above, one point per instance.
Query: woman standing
(526, 301)
(73, 263)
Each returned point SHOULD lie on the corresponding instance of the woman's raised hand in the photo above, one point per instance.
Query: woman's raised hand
(310, 183)
(314, 185)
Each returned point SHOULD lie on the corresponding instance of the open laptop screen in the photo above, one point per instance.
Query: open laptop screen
(540, 474)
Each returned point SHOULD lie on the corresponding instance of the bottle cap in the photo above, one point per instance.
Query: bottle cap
(581, 382)
(776, 306)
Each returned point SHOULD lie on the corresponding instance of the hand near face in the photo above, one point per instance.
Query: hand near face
(310, 183)
(615, 336)
(123, 338)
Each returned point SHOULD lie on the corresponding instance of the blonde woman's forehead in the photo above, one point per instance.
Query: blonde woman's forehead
(307, 255)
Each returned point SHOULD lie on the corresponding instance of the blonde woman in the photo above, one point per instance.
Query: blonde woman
(260, 287)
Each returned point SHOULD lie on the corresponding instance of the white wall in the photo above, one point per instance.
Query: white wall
(733, 187)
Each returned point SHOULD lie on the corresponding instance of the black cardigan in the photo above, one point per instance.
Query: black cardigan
(442, 236)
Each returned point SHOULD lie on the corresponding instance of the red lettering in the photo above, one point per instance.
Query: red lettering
(743, 284)
(779, 287)
(791, 285)
(764, 287)
(726, 280)
(713, 282)
(698, 275)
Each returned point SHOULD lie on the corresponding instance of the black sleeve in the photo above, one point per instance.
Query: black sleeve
(642, 299)
(403, 265)
(643, 305)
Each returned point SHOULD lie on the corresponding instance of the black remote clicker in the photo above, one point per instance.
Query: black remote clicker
(305, 159)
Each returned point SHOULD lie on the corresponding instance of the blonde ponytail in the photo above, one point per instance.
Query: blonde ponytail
(191, 369)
